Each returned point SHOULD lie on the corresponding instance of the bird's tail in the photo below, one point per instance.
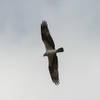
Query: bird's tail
(60, 50)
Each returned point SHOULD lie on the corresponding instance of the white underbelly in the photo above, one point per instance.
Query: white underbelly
(51, 52)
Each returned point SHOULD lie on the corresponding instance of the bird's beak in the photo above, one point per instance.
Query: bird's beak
(44, 55)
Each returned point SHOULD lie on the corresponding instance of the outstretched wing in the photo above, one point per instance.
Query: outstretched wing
(53, 68)
(46, 37)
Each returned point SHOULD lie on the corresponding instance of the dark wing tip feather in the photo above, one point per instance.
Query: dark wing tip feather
(44, 23)
(44, 27)
(54, 76)
(56, 82)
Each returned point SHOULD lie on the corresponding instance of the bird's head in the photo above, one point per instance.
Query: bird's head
(45, 54)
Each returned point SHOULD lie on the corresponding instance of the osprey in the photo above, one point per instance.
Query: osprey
(50, 52)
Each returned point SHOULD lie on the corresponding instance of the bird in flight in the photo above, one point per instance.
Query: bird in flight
(50, 52)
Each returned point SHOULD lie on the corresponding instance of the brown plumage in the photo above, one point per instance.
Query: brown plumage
(50, 52)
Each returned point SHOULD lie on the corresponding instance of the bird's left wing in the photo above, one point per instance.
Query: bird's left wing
(46, 37)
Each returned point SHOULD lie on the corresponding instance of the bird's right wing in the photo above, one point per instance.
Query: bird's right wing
(53, 68)
(46, 37)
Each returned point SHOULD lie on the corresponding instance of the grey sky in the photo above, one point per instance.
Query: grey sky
(74, 24)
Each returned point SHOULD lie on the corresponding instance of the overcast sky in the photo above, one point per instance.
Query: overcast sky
(74, 25)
